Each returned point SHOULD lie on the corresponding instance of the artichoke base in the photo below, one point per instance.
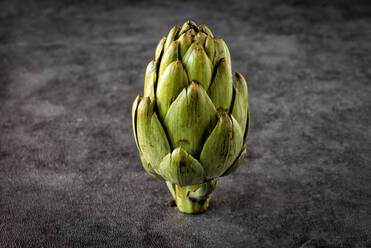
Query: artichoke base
(188, 205)
(192, 199)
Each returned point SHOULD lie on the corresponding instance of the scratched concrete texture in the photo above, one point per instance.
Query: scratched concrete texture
(70, 174)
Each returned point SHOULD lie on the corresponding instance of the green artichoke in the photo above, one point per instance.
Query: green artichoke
(192, 123)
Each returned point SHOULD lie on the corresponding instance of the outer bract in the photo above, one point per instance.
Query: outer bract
(192, 123)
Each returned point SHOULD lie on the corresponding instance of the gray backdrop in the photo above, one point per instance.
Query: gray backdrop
(70, 174)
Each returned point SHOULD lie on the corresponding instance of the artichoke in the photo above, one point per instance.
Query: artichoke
(192, 123)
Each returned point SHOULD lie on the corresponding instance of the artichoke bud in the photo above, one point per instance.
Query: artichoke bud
(192, 123)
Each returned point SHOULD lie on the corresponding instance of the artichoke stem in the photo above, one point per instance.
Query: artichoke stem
(188, 205)
(193, 199)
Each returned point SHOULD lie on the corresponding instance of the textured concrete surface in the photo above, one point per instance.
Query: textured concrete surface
(70, 174)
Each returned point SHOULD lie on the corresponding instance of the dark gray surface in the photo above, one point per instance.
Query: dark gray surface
(70, 174)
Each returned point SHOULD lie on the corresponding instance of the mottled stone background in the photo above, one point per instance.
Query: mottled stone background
(70, 174)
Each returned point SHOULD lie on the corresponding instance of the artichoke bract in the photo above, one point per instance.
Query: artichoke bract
(191, 125)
